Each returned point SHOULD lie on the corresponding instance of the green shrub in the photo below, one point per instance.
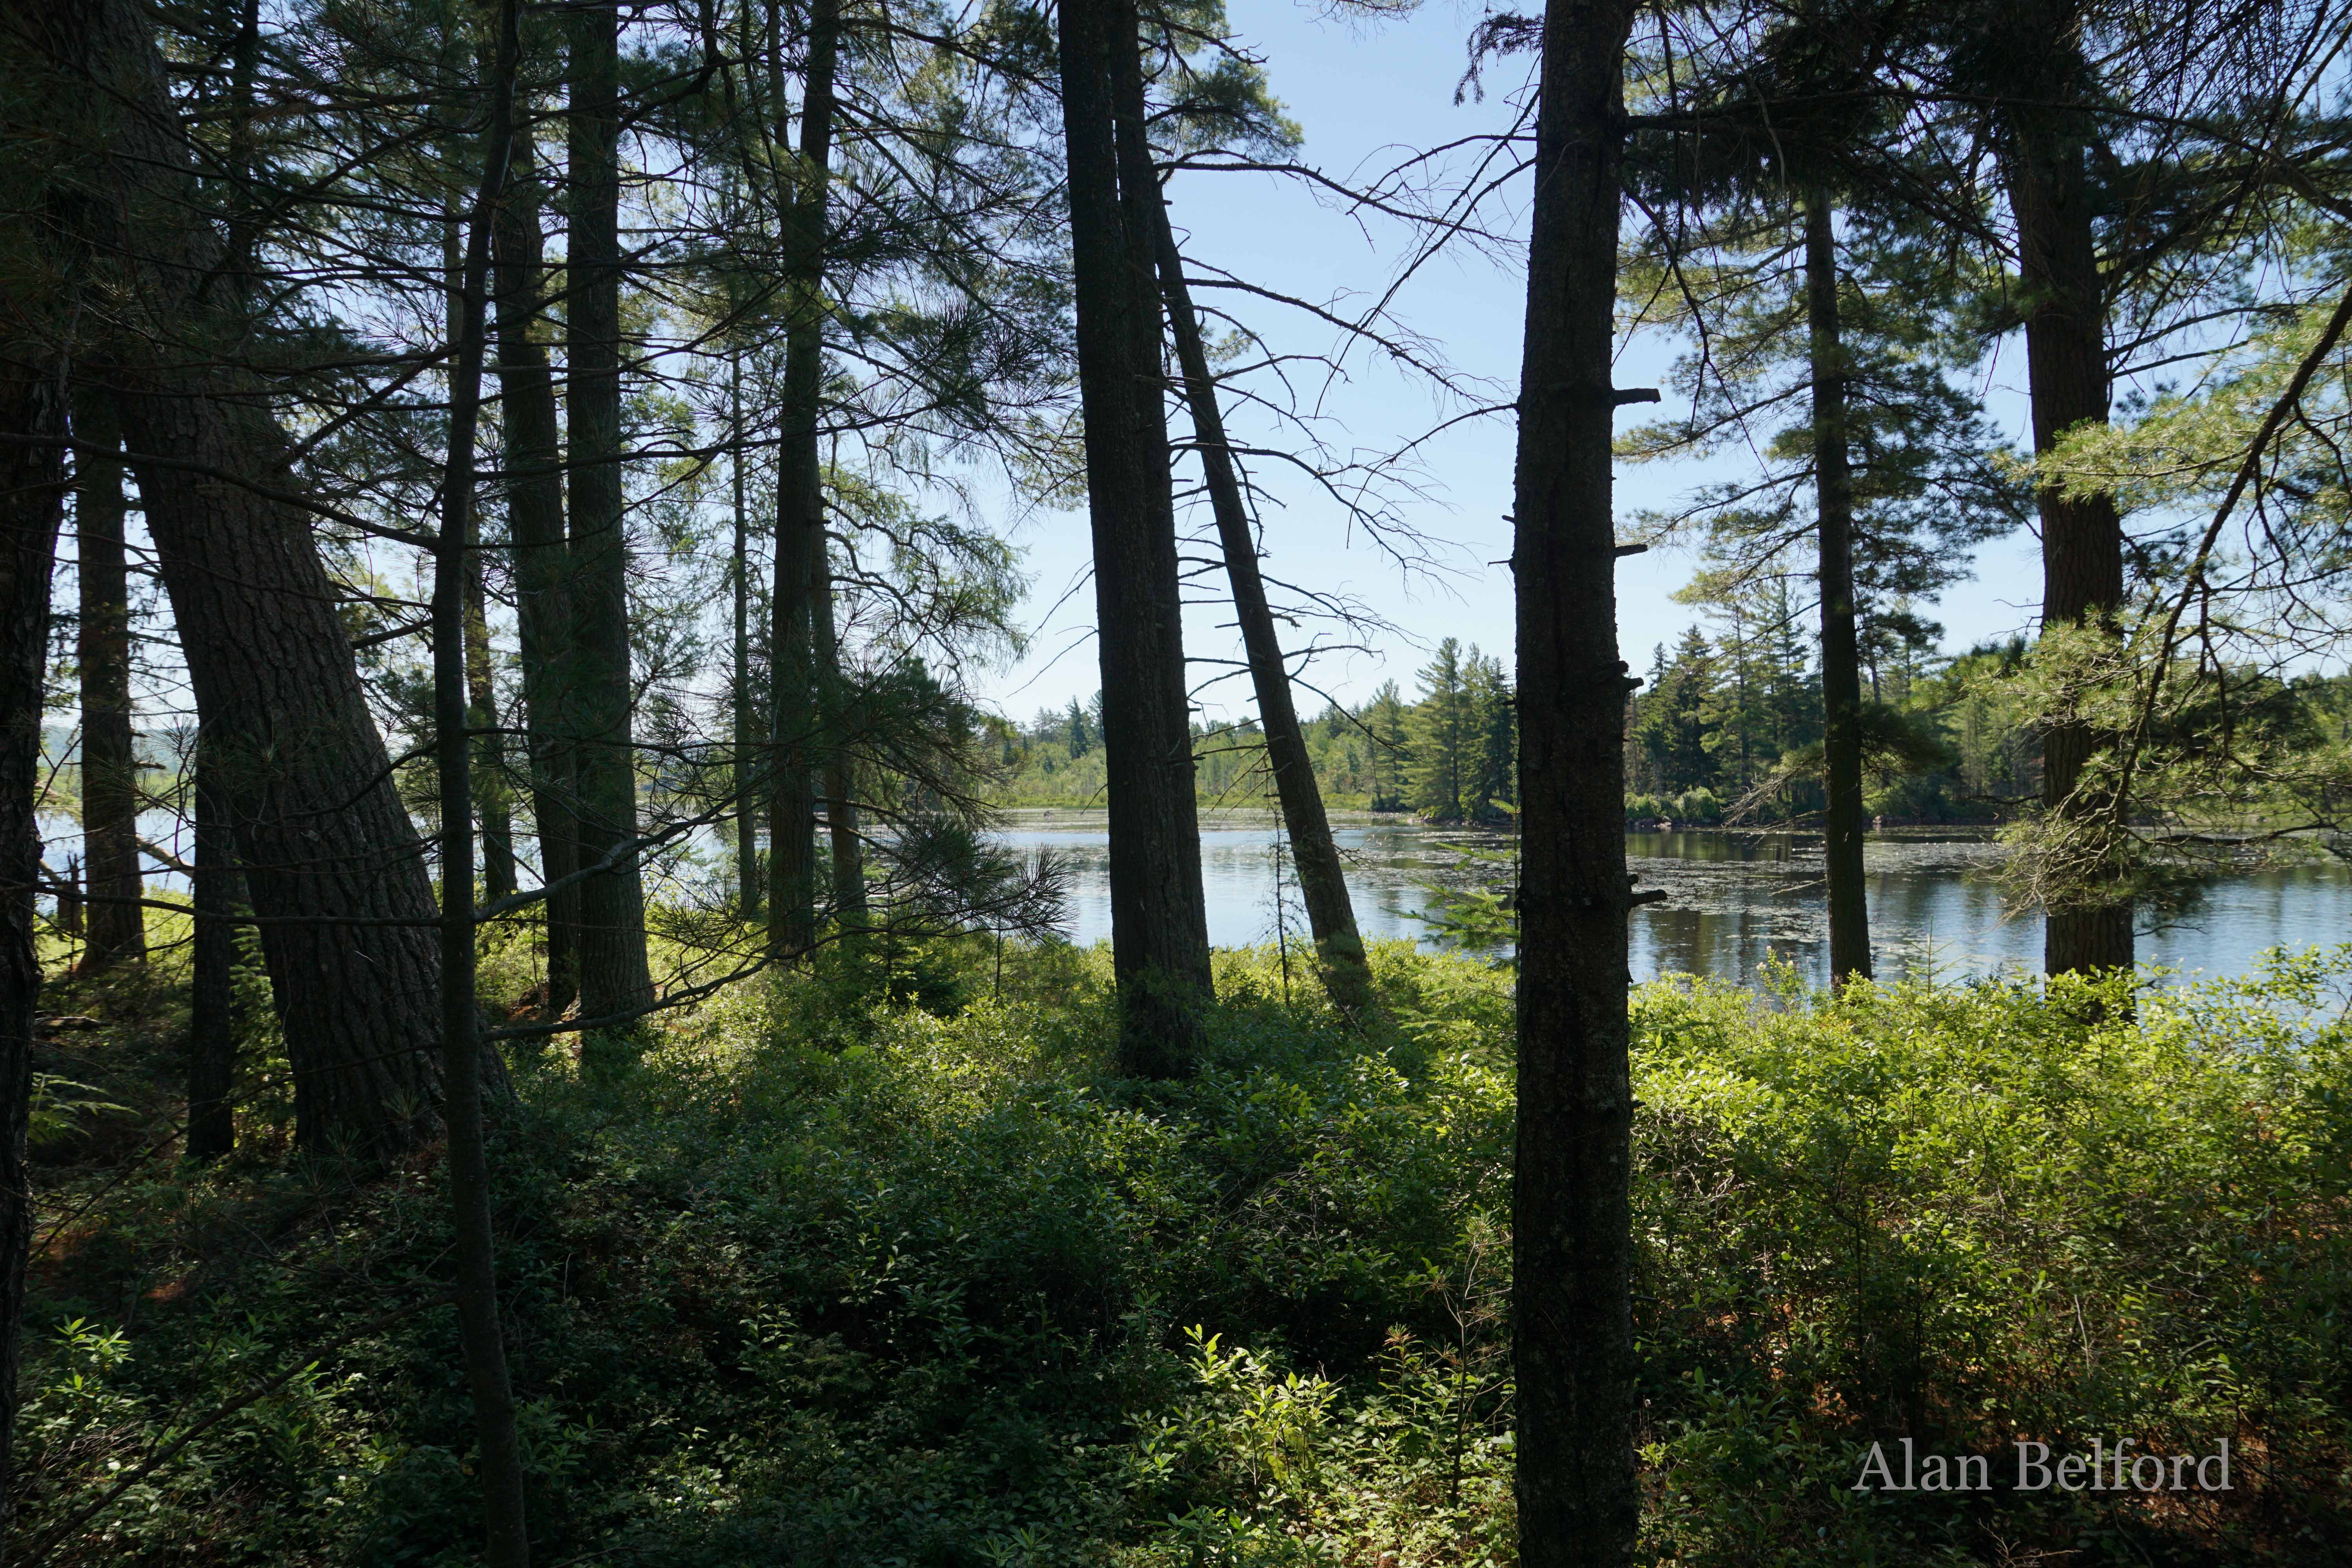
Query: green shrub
(878, 1264)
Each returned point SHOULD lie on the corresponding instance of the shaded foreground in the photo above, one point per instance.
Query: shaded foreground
(881, 1265)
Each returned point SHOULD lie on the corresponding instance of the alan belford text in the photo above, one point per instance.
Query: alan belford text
(2033, 1467)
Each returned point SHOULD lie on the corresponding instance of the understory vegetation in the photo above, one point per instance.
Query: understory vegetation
(879, 1263)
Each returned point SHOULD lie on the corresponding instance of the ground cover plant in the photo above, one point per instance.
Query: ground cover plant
(881, 1264)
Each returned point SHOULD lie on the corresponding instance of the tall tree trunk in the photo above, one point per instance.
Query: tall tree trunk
(1571, 1217)
(533, 464)
(454, 573)
(212, 989)
(2066, 372)
(110, 762)
(840, 804)
(1841, 662)
(800, 510)
(747, 837)
(1160, 929)
(1322, 879)
(331, 862)
(32, 502)
(491, 810)
(614, 977)
(489, 771)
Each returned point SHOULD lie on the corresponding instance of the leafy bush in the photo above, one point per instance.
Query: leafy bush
(880, 1265)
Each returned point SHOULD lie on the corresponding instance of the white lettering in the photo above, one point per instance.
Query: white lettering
(1876, 1458)
(2224, 1457)
(2030, 1465)
(2156, 1484)
(1983, 1474)
(2070, 1472)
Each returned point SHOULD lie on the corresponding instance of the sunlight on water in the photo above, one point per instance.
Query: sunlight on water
(1735, 901)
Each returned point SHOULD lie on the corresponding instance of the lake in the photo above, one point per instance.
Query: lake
(1734, 900)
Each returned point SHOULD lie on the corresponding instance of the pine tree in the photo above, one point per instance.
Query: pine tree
(1493, 736)
(1384, 718)
(1442, 727)
(1674, 729)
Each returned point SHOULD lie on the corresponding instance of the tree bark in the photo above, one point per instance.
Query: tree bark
(1572, 1338)
(615, 976)
(32, 503)
(2066, 372)
(333, 864)
(453, 575)
(1840, 658)
(795, 724)
(110, 762)
(840, 804)
(491, 809)
(489, 771)
(1322, 879)
(533, 463)
(747, 837)
(212, 990)
(1160, 934)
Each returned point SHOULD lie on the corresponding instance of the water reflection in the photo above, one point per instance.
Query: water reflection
(1734, 902)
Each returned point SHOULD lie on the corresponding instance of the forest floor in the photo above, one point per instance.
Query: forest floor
(880, 1265)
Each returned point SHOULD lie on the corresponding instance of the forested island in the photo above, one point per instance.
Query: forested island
(530, 1031)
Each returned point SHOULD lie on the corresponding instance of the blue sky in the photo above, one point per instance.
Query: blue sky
(1362, 93)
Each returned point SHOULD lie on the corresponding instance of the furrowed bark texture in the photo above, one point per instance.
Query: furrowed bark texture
(1160, 935)
(109, 763)
(32, 502)
(1840, 657)
(1322, 879)
(2048, 167)
(331, 863)
(799, 515)
(455, 573)
(615, 976)
(1572, 1338)
(211, 988)
(534, 467)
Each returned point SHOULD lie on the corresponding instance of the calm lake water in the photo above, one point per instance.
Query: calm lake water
(1734, 900)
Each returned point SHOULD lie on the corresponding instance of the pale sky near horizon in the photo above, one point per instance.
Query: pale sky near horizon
(1362, 92)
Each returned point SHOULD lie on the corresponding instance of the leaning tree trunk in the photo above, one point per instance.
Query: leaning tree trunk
(212, 987)
(1840, 659)
(2090, 924)
(333, 864)
(1159, 932)
(1572, 1222)
(32, 501)
(1322, 879)
(794, 721)
(110, 762)
(615, 980)
(533, 476)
